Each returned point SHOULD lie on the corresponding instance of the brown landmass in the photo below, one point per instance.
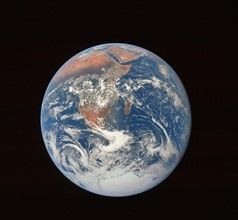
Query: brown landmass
(127, 107)
(122, 55)
(95, 61)
(94, 118)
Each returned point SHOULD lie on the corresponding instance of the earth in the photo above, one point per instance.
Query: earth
(116, 119)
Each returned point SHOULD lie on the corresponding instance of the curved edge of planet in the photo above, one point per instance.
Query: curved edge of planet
(116, 119)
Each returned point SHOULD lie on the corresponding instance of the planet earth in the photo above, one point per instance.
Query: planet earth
(116, 119)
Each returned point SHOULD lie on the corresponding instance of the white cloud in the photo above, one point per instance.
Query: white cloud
(164, 70)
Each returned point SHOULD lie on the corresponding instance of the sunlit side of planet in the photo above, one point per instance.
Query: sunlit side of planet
(116, 119)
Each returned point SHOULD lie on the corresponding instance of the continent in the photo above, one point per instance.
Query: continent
(85, 62)
(94, 61)
(93, 117)
(122, 55)
(95, 105)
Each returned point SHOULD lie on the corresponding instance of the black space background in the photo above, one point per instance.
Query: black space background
(197, 38)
